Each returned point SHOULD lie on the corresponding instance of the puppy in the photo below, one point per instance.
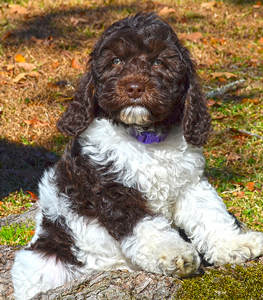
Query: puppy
(133, 175)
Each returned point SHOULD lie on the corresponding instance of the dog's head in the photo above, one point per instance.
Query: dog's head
(140, 74)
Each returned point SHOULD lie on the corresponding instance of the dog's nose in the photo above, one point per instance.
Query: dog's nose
(135, 89)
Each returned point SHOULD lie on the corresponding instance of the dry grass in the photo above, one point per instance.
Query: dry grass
(50, 34)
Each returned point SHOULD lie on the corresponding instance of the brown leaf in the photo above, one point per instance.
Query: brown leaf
(17, 9)
(250, 186)
(6, 35)
(19, 77)
(166, 11)
(24, 75)
(76, 65)
(20, 58)
(245, 100)
(26, 66)
(210, 102)
(260, 41)
(222, 79)
(208, 5)
(35, 122)
(76, 21)
(35, 40)
(220, 74)
(219, 117)
(232, 157)
(55, 64)
(33, 197)
(10, 67)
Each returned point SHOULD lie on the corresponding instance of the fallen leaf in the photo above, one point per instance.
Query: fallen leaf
(6, 35)
(17, 9)
(219, 117)
(250, 186)
(76, 65)
(55, 64)
(166, 11)
(193, 37)
(10, 67)
(35, 40)
(238, 214)
(20, 58)
(213, 41)
(233, 157)
(260, 41)
(222, 79)
(35, 122)
(208, 5)
(23, 76)
(220, 74)
(222, 41)
(210, 102)
(76, 21)
(33, 197)
(19, 77)
(32, 232)
(247, 100)
(26, 66)
(4, 74)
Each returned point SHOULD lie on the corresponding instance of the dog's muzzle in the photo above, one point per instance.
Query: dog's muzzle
(135, 115)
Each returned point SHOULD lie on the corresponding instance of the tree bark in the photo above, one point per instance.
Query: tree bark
(7, 255)
(116, 285)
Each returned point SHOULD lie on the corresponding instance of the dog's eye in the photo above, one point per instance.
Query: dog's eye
(157, 63)
(116, 61)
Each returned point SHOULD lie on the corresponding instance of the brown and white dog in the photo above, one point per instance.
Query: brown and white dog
(133, 175)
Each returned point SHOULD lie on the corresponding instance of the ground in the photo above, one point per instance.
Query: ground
(44, 48)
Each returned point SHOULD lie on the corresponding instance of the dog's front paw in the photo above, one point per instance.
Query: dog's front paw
(239, 249)
(156, 247)
(180, 261)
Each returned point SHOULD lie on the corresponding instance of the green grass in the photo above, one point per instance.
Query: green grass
(229, 283)
(14, 203)
(16, 234)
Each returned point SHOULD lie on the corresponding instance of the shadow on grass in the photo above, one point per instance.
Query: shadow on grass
(22, 166)
(71, 24)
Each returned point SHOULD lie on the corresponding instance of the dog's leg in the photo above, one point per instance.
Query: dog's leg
(33, 273)
(158, 248)
(214, 232)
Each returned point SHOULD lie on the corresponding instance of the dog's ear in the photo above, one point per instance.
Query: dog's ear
(196, 119)
(81, 110)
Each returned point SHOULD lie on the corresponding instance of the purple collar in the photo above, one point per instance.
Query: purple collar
(147, 137)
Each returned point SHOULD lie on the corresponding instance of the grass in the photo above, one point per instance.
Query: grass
(230, 282)
(16, 234)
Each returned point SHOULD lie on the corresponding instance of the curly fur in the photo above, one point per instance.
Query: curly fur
(112, 202)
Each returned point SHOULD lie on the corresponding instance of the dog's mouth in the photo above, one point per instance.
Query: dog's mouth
(135, 115)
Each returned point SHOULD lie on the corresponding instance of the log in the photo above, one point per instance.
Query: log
(111, 285)
(116, 285)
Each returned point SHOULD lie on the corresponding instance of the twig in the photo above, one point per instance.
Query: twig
(239, 131)
(221, 91)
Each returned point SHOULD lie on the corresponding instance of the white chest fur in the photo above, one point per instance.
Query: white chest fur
(159, 171)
